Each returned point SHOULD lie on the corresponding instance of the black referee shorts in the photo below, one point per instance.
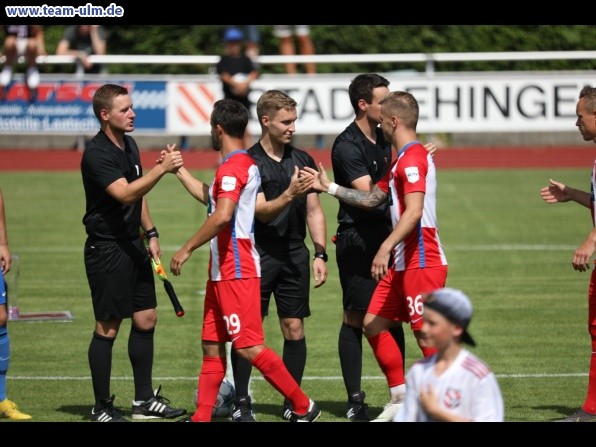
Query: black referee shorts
(120, 278)
(355, 249)
(285, 273)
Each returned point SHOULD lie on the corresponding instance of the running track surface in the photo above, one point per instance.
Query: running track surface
(447, 158)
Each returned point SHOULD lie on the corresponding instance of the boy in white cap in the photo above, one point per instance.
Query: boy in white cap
(452, 385)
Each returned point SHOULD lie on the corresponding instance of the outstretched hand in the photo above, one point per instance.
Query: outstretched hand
(300, 183)
(320, 182)
(555, 192)
(170, 159)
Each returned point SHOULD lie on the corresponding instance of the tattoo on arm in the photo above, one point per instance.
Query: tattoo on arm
(362, 199)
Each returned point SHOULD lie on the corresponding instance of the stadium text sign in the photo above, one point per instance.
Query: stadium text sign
(449, 102)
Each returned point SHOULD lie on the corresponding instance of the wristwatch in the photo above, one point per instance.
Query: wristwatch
(322, 255)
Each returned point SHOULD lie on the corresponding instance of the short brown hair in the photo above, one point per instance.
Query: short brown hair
(589, 95)
(103, 97)
(402, 105)
(273, 101)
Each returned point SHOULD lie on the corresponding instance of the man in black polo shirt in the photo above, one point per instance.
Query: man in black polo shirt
(117, 263)
(282, 216)
(360, 157)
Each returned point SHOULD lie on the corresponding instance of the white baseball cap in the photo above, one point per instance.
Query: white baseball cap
(454, 305)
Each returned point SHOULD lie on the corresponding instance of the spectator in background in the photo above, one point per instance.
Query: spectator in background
(27, 41)
(285, 34)
(253, 41)
(237, 71)
(82, 41)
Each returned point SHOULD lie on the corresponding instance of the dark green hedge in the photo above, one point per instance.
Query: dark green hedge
(353, 39)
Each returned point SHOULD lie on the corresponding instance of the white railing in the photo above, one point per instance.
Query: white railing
(429, 58)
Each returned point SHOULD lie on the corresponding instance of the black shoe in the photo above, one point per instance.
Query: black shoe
(357, 409)
(105, 412)
(287, 410)
(154, 408)
(311, 416)
(242, 410)
(579, 416)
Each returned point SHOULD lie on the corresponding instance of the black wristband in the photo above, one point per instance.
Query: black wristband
(151, 233)
(322, 255)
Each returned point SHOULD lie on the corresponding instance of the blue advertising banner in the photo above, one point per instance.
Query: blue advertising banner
(62, 107)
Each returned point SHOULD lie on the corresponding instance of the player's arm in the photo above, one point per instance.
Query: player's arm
(583, 254)
(198, 189)
(367, 200)
(557, 192)
(315, 220)
(414, 206)
(267, 210)
(221, 217)
(128, 193)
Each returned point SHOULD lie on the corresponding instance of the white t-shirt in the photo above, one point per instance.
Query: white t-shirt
(468, 388)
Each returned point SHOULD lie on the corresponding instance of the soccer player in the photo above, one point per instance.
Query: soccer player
(232, 310)
(557, 192)
(117, 263)
(452, 385)
(419, 263)
(7, 407)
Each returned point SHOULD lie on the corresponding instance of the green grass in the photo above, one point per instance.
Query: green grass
(509, 251)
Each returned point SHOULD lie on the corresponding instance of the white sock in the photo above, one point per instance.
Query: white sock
(32, 77)
(5, 76)
(398, 393)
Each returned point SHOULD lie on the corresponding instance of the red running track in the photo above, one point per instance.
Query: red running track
(449, 158)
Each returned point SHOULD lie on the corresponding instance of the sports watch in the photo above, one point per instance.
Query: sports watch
(322, 255)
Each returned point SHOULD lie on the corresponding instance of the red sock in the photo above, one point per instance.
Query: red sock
(212, 374)
(389, 357)
(590, 403)
(275, 372)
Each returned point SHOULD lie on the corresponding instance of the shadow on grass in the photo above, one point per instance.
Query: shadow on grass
(329, 410)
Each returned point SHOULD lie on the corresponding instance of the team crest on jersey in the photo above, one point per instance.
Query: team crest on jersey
(412, 174)
(452, 398)
(228, 183)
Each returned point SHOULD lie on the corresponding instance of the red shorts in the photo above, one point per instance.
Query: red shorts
(398, 295)
(232, 312)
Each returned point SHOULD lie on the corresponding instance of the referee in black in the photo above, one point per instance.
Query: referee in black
(286, 206)
(360, 157)
(117, 263)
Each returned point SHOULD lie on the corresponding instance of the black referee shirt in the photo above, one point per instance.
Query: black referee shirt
(103, 163)
(290, 224)
(354, 156)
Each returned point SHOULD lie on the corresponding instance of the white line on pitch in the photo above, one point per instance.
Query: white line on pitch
(326, 378)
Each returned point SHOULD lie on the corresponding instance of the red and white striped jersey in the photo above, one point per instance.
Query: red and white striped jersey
(233, 251)
(592, 194)
(414, 171)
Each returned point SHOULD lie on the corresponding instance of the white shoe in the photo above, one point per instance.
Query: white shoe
(390, 410)
(32, 77)
(5, 76)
